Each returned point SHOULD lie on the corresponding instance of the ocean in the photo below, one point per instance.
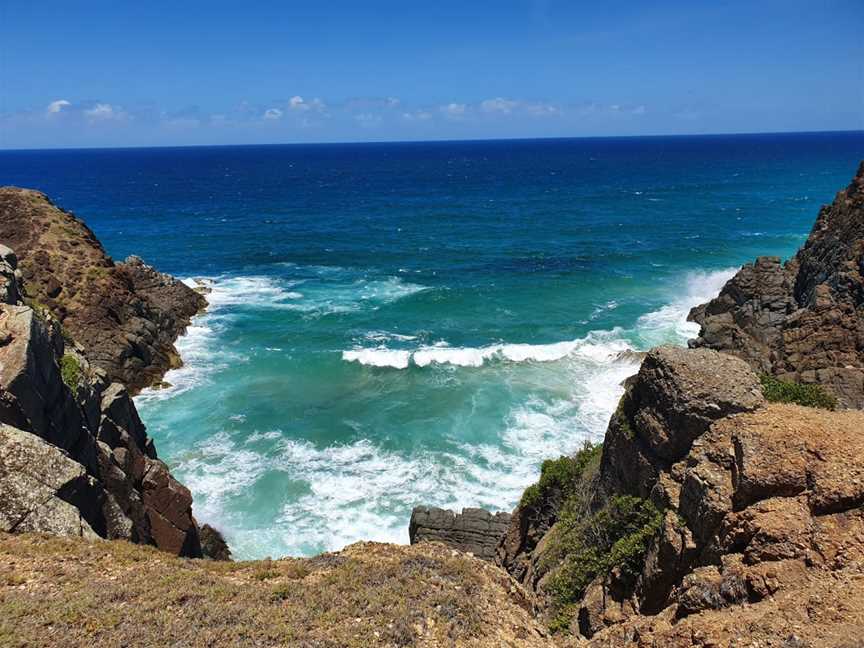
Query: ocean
(422, 323)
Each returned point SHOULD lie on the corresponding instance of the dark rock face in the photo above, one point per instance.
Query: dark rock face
(80, 449)
(126, 316)
(475, 530)
(803, 320)
(213, 545)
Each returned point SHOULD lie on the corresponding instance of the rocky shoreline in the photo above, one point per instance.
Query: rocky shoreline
(725, 506)
(125, 316)
(78, 336)
(708, 509)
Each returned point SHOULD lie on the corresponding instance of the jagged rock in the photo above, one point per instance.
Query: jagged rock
(604, 604)
(528, 526)
(126, 316)
(213, 545)
(127, 492)
(801, 321)
(673, 400)
(32, 394)
(475, 530)
(40, 486)
(9, 288)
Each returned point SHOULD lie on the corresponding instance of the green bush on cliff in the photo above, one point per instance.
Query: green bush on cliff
(585, 546)
(70, 371)
(781, 391)
(564, 473)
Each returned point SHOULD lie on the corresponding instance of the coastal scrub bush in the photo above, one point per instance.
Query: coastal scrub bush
(587, 546)
(564, 473)
(70, 371)
(781, 391)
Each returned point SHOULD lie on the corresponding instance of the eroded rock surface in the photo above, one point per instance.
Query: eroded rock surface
(126, 316)
(762, 515)
(802, 320)
(123, 490)
(474, 530)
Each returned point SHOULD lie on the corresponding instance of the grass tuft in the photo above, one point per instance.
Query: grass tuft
(70, 371)
(781, 391)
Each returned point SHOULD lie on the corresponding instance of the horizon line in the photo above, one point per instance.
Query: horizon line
(432, 141)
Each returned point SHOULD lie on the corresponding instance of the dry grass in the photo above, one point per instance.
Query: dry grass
(68, 592)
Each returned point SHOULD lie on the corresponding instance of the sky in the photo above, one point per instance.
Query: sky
(94, 73)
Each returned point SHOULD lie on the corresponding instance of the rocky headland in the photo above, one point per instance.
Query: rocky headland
(725, 506)
(719, 510)
(77, 335)
(801, 320)
(125, 316)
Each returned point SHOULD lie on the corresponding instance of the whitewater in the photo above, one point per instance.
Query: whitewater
(421, 323)
(363, 491)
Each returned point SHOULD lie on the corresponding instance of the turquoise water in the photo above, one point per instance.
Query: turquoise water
(398, 324)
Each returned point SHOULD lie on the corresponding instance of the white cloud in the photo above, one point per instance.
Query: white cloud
(454, 110)
(300, 104)
(543, 110)
(104, 112)
(272, 114)
(56, 106)
(498, 105)
(417, 115)
(368, 120)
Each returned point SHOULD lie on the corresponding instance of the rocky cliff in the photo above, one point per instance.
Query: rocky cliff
(709, 514)
(126, 316)
(802, 320)
(717, 511)
(76, 459)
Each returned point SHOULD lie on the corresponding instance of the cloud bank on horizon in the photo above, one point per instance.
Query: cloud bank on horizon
(208, 73)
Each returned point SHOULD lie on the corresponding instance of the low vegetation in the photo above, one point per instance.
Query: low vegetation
(587, 541)
(565, 474)
(587, 546)
(781, 391)
(70, 371)
(67, 592)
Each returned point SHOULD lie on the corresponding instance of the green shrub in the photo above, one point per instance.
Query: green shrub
(587, 546)
(564, 473)
(70, 371)
(781, 391)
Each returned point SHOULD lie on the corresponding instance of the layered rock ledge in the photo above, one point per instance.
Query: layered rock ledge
(474, 530)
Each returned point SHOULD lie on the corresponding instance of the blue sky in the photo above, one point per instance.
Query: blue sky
(161, 73)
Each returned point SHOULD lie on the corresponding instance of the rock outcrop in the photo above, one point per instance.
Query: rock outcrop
(126, 316)
(759, 510)
(87, 446)
(474, 530)
(803, 320)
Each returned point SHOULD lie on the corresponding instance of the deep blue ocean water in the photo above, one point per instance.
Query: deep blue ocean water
(395, 324)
